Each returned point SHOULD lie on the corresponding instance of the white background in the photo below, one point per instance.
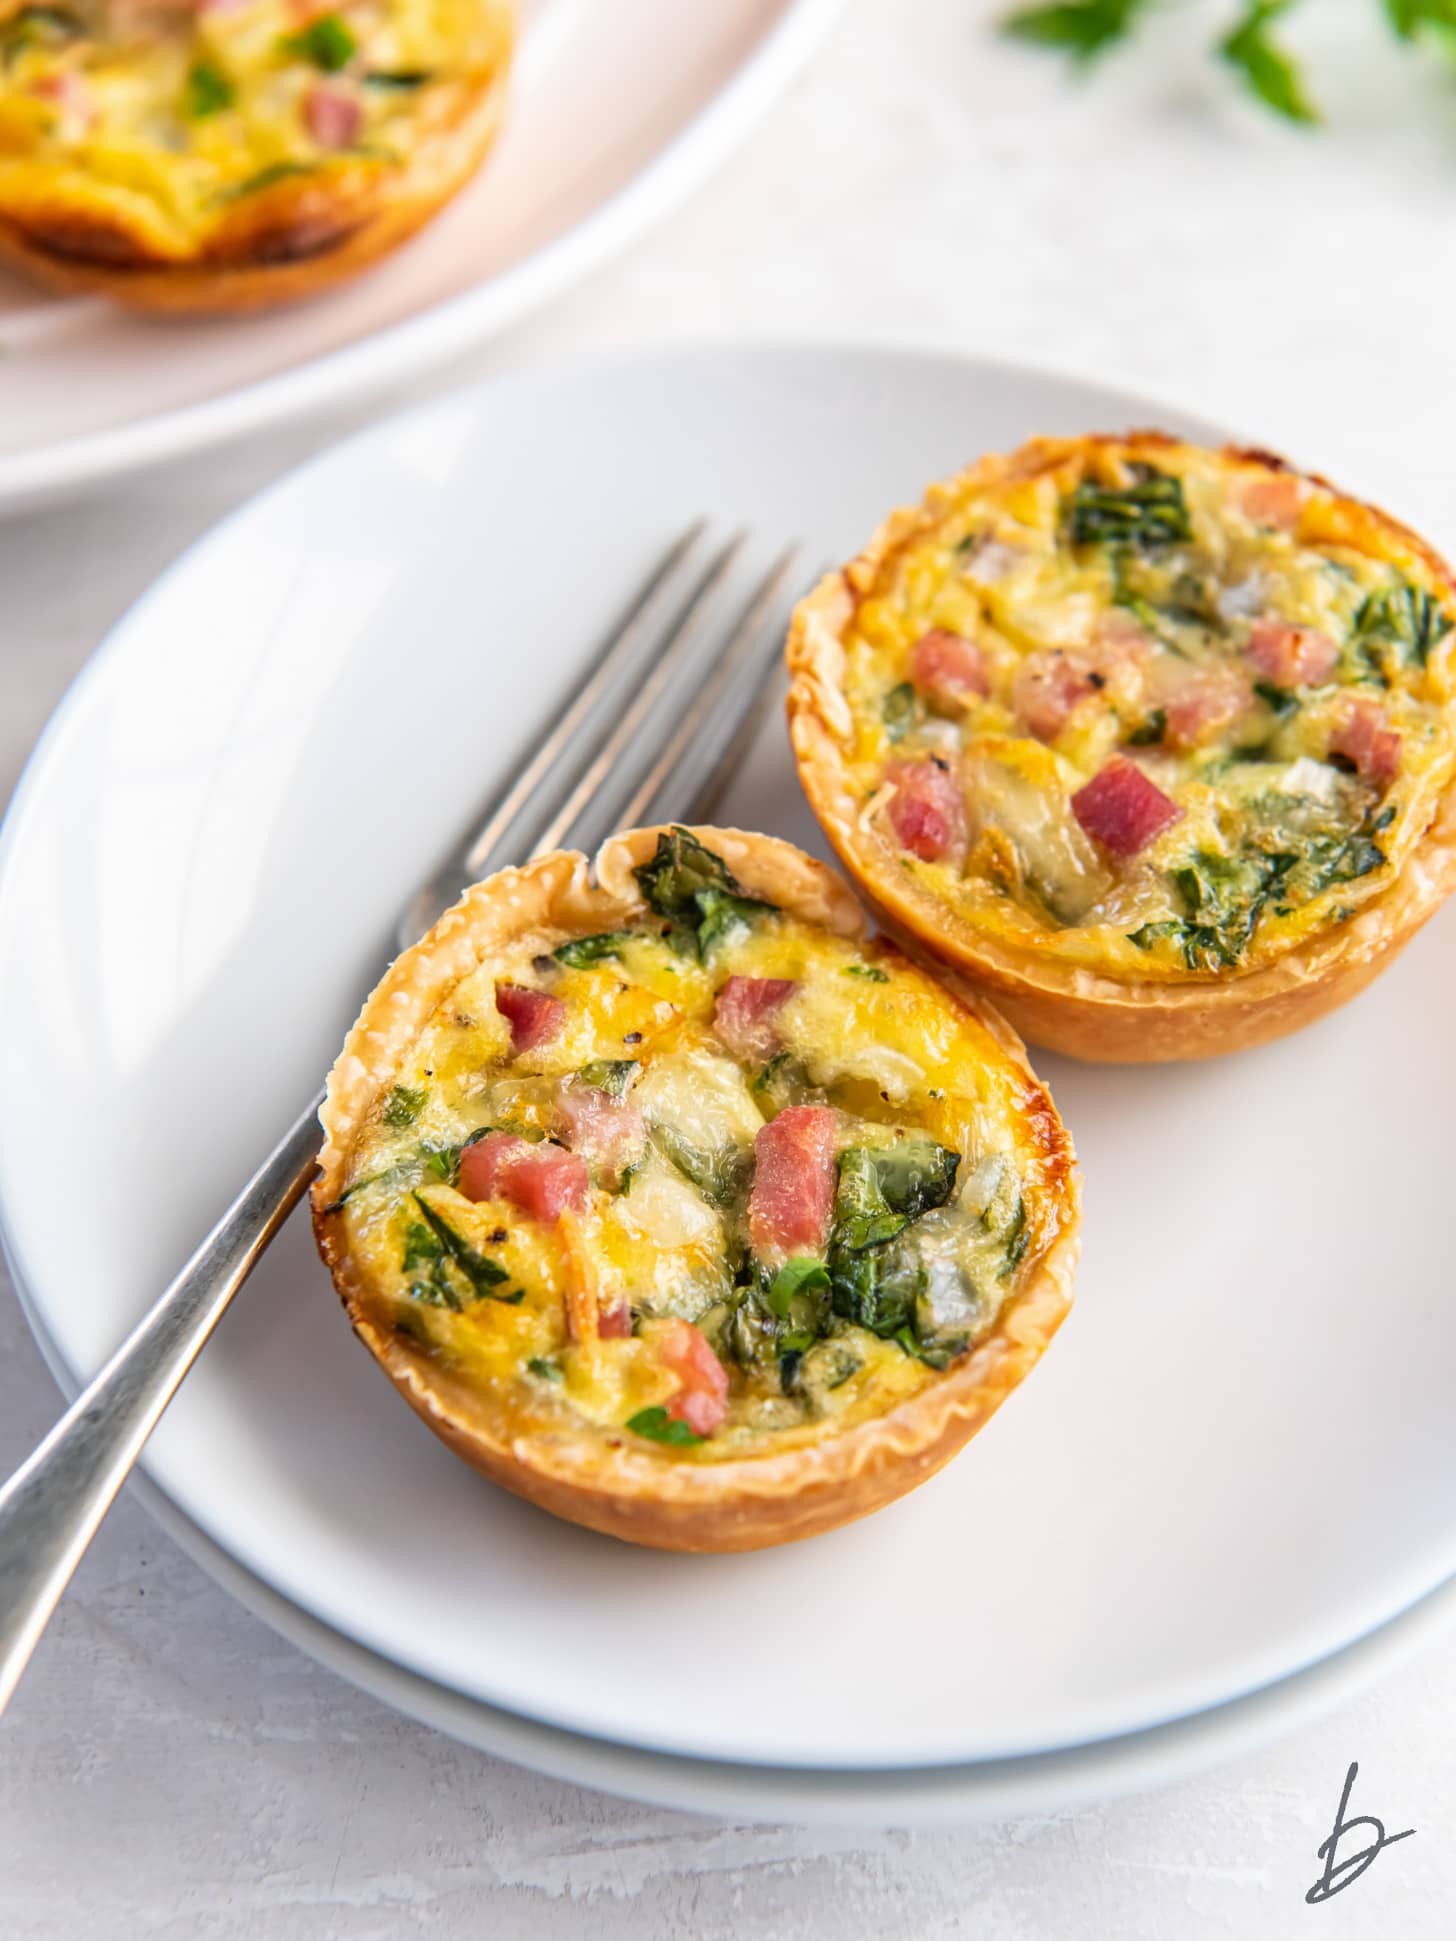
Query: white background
(169, 1768)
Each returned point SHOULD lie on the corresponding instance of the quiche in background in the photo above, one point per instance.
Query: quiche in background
(677, 1206)
(219, 155)
(1154, 743)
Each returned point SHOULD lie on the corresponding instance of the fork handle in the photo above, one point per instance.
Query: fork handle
(50, 1508)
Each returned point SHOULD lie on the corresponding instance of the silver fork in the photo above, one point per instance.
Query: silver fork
(586, 776)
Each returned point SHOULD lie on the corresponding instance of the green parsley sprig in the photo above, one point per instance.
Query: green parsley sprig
(1085, 29)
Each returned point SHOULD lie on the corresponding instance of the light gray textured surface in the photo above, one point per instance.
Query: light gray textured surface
(169, 1768)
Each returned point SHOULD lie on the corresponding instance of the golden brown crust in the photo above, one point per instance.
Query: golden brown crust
(1052, 1003)
(296, 238)
(629, 1490)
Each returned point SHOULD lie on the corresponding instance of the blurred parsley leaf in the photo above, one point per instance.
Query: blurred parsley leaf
(1082, 28)
(1266, 68)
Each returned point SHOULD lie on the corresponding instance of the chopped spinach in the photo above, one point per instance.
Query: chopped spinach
(38, 27)
(719, 1176)
(1149, 730)
(697, 893)
(483, 1275)
(879, 1287)
(546, 1371)
(404, 1105)
(582, 951)
(871, 973)
(875, 1271)
(802, 1275)
(1397, 626)
(782, 1080)
(1017, 1238)
(326, 41)
(609, 1075)
(1148, 514)
(208, 91)
(266, 177)
(658, 1426)
(401, 80)
(1279, 699)
(899, 711)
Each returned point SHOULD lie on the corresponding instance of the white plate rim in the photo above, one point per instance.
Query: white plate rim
(929, 1796)
(431, 337)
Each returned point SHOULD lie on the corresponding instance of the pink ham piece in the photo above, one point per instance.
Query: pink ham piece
(608, 1131)
(1122, 809)
(534, 1017)
(541, 1180)
(614, 1323)
(333, 117)
(744, 1014)
(1291, 656)
(927, 811)
(702, 1400)
(794, 1177)
(1047, 688)
(948, 669)
(1367, 739)
(1204, 705)
(1270, 499)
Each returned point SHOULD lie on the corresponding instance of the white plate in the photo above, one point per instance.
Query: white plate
(989, 1789)
(600, 140)
(1239, 1455)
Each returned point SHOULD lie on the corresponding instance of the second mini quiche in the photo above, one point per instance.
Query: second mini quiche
(1157, 743)
(225, 154)
(677, 1206)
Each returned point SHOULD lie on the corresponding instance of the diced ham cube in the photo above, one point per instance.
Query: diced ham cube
(927, 810)
(745, 1012)
(608, 1131)
(543, 1180)
(702, 1400)
(533, 1016)
(1291, 656)
(1047, 688)
(615, 1323)
(948, 669)
(1270, 498)
(1366, 739)
(1202, 706)
(1122, 809)
(333, 116)
(793, 1182)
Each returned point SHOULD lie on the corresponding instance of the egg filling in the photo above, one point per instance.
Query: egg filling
(1150, 709)
(161, 116)
(714, 1180)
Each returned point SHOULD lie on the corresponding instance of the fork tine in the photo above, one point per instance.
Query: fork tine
(709, 727)
(593, 786)
(485, 848)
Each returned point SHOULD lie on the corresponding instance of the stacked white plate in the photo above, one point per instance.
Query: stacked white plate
(1202, 1517)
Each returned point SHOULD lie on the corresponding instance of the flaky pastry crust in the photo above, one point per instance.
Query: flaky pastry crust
(635, 1491)
(1065, 1007)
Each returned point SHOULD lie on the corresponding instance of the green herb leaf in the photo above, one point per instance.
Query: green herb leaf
(326, 41)
(1150, 730)
(547, 1371)
(404, 1105)
(398, 81)
(582, 951)
(871, 973)
(609, 1075)
(719, 1176)
(1268, 71)
(1148, 514)
(1279, 699)
(208, 91)
(696, 892)
(1398, 626)
(658, 1426)
(484, 1275)
(899, 711)
(802, 1275)
(1081, 28)
(1017, 1239)
(266, 177)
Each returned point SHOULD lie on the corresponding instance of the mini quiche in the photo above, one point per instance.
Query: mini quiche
(225, 154)
(679, 1208)
(1155, 743)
